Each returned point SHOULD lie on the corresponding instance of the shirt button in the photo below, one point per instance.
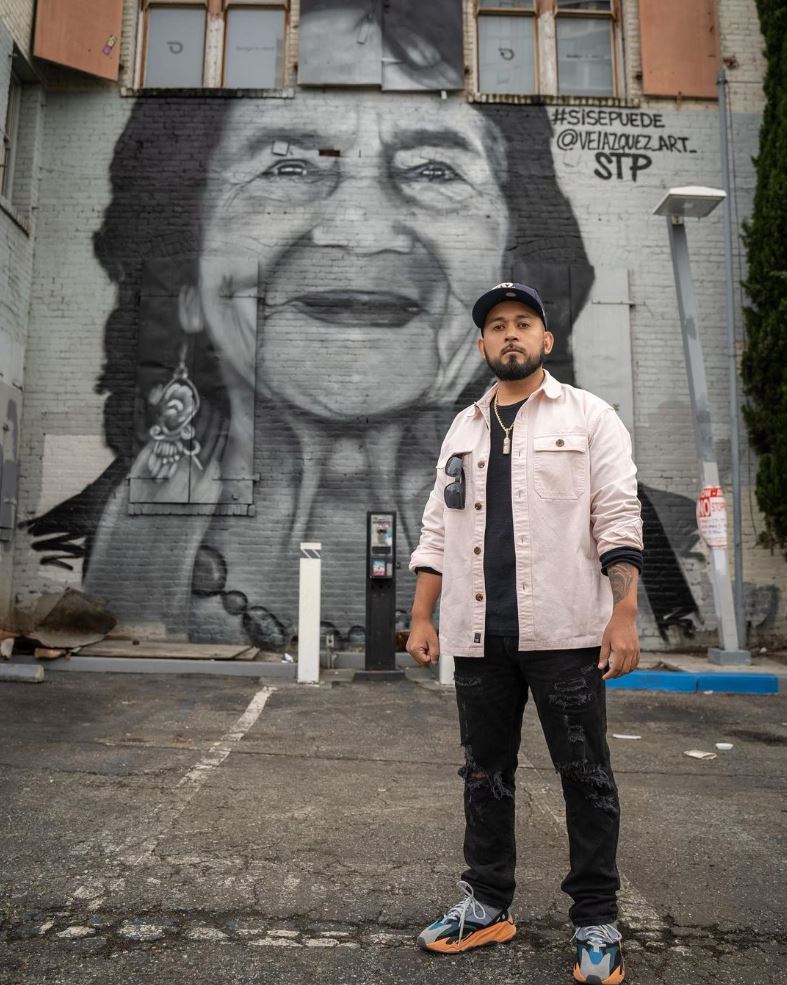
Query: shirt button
(476, 550)
(479, 506)
(560, 442)
(481, 464)
(479, 597)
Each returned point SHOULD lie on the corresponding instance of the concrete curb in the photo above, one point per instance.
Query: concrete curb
(143, 665)
(25, 673)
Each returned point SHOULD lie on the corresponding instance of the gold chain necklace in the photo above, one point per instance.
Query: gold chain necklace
(507, 431)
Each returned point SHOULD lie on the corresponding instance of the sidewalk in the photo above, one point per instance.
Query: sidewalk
(194, 830)
(658, 671)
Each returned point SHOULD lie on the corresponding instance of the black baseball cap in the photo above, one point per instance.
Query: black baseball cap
(507, 292)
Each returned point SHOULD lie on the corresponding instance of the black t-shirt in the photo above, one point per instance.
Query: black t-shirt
(502, 618)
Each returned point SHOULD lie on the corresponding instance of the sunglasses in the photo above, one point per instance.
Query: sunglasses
(454, 492)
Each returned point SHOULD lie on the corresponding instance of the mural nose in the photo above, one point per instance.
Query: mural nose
(357, 232)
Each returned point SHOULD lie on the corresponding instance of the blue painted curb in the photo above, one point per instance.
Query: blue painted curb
(656, 680)
(719, 682)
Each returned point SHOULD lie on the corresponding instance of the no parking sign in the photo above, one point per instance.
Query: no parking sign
(712, 516)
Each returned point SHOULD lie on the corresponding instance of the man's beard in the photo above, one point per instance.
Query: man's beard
(508, 369)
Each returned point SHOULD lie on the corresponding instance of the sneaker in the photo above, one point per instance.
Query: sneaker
(599, 955)
(466, 925)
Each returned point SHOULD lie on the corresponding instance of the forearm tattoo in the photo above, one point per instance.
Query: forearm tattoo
(621, 578)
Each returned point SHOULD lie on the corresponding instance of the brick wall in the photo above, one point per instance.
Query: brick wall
(17, 15)
(17, 235)
(555, 195)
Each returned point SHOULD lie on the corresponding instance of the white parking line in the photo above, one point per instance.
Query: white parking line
(219, 751)
(191, 782)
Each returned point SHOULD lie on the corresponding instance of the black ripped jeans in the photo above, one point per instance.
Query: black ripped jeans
(569, 695)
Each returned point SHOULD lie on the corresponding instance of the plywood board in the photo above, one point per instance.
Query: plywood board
(82, 34)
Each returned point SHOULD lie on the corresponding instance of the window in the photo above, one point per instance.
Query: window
(584, 47)
(254, 47)
(175, 45)
(10, 137)
(234, 43)
(507, 46)
(547, 47)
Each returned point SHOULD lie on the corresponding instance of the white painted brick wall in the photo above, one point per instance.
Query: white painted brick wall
(71, 296)
(18, 18)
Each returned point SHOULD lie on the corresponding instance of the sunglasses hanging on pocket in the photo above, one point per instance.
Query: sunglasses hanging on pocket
(454, 492)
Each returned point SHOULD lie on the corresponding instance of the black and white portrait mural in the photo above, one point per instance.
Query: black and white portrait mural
(292, 335)
(402, 45)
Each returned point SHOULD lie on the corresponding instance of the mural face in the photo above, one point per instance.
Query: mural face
(292, 339)
(357, 245)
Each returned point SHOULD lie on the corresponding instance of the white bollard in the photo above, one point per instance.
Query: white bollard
(309, 614)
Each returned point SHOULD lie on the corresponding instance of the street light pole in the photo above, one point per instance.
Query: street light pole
(737, 539)
(703, 436)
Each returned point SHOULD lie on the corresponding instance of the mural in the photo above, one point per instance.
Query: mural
(292, 338)
(406, 45)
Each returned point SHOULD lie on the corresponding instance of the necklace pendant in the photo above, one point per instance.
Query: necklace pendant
(506, 445)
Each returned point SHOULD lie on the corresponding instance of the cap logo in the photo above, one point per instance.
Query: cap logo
(506, 283)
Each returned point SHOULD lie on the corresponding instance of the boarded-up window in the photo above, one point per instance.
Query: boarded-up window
(405, 45)
(680, 48)
(82, 34)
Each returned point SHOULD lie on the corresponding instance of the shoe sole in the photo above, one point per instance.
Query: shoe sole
(614, 979)
(497, 933)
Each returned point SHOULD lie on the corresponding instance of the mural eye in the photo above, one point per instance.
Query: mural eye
(437, 171)
(288, 169)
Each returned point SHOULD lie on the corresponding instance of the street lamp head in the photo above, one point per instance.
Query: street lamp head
(693, 202)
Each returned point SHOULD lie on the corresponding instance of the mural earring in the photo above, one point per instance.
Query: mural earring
(173, 436)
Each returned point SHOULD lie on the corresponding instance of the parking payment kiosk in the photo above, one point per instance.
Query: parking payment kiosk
(380, 596)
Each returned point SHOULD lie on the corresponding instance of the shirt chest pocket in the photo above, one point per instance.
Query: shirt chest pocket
(560, 465)
(455, 470)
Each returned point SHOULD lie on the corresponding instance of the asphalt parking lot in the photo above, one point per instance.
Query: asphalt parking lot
(209, 829)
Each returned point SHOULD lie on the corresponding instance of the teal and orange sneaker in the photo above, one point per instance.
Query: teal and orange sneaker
(466, 925)
(599, 955)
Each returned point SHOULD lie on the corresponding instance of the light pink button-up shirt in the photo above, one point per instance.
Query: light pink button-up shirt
(574, 497)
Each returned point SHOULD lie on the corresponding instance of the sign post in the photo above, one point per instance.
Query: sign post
(712, 524)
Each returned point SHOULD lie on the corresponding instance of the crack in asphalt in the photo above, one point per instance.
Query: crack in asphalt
(246, 751)
(255, 928)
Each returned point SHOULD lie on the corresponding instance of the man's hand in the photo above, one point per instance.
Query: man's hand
(422, 644)
(620, 644)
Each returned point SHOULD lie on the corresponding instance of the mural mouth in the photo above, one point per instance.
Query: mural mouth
(376, 308)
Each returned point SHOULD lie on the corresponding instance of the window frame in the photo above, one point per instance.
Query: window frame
(612, 16)
(147, 5)
(227, 6)
(546, 61)
(533, 12)
(13, 115)
(214, 51)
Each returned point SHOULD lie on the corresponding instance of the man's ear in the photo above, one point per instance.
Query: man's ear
(480, 343)
(549, 341)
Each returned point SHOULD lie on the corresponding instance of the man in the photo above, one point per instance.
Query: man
(535, 499)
